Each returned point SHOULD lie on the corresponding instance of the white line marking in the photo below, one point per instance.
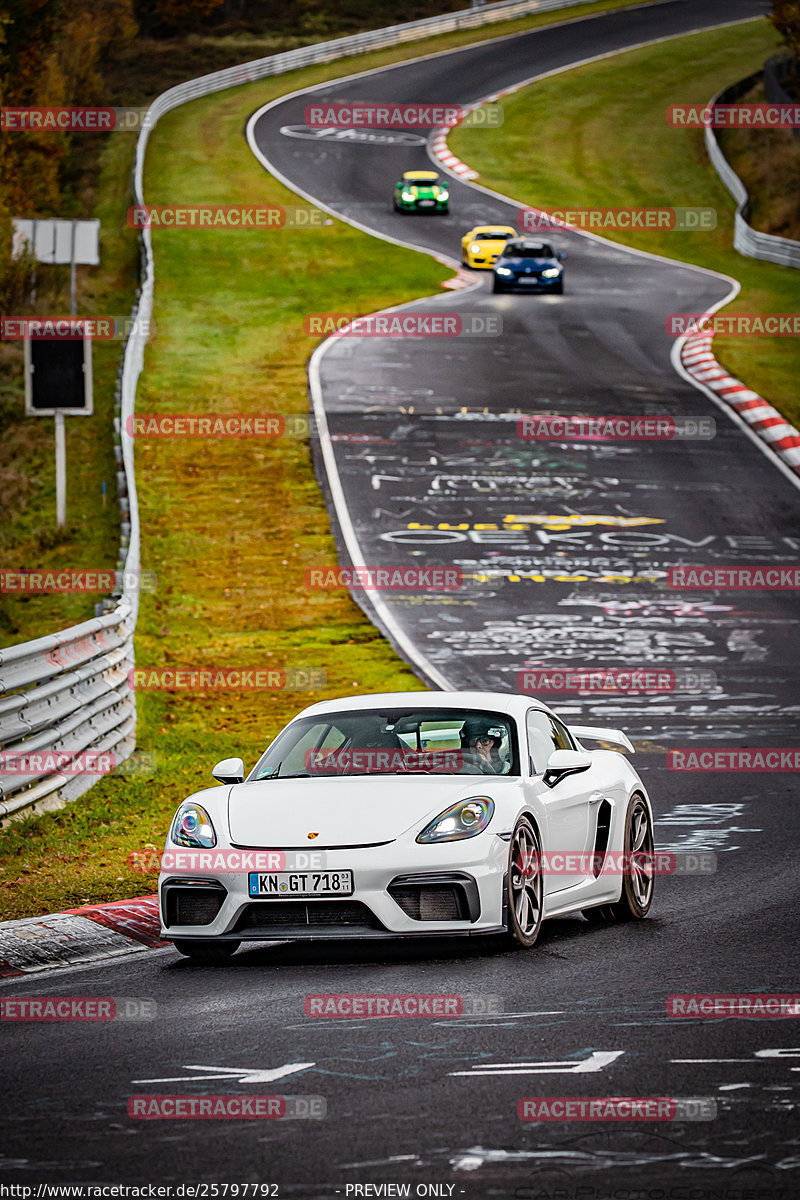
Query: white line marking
(240, 1074)
(597, 1060)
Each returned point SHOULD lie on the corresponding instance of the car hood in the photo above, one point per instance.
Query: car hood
(350, 811)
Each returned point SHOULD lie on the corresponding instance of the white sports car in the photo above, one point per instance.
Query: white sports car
(408, 814)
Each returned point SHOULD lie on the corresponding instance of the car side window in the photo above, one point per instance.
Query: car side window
(300, 757)
(545, 734)
(565, 739)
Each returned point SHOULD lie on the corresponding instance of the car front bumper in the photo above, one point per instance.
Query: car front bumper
(482, 262)
(528, 283)
(421, 206)
(452, 889)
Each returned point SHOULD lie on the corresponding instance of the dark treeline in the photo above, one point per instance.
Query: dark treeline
(58, 53)
(160, 18)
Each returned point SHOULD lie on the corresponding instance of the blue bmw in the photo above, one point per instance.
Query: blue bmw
(530, 266)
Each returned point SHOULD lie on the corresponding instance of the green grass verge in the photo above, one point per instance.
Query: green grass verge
(609, 145)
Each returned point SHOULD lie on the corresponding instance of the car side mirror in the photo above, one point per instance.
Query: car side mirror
(229, 770)
(562, 763)
(561, 256)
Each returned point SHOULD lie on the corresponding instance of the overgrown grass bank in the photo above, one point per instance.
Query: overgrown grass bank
(611, 146)
(768, 163)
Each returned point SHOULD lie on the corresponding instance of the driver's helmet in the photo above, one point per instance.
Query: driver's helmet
(480, 727)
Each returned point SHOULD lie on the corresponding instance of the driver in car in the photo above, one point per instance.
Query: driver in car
(480, 744)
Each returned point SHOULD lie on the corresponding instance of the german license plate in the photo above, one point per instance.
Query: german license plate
(426, 203)
(528, 279)
(300, 883)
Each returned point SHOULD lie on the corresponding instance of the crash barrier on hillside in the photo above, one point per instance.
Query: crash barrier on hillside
(67, 713)
(746, 240)
(70, 689)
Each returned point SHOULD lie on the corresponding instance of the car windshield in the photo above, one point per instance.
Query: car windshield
(426, 182)
(541, 251)
(393, 742)
(492, 235)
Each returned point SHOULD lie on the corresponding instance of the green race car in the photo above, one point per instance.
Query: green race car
(421, 191)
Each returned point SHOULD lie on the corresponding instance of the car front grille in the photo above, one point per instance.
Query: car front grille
(306, 916)
(192, 905)
(431, 901)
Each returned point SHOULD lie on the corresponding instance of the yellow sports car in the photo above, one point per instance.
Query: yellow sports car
(482, 246)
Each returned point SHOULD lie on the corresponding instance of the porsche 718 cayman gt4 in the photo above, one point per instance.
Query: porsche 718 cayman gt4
(409, 814)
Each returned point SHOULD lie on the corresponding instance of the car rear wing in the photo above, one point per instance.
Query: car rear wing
(604, 735)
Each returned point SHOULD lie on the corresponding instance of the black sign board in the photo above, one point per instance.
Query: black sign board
(58, 377)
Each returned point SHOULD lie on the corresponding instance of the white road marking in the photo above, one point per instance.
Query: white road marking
(240, 1074)
(595, 1062)
(781, 1052)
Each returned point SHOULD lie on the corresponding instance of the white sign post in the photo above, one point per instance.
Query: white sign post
(57, 241)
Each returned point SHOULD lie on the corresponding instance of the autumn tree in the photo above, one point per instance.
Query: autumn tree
(785, 16)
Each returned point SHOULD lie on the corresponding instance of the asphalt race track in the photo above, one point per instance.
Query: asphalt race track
(423, 435)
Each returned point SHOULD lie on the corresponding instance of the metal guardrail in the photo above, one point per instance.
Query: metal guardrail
(748, 241)
(69, 692)
(62, 695)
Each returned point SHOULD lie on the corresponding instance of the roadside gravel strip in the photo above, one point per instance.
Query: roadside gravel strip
(79, 935)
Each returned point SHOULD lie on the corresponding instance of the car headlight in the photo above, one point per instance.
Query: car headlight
(503, 271)
(409, 196)
(443, 194)
(462, 820)
(551, 272)
(192, 827)
(475, 248)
